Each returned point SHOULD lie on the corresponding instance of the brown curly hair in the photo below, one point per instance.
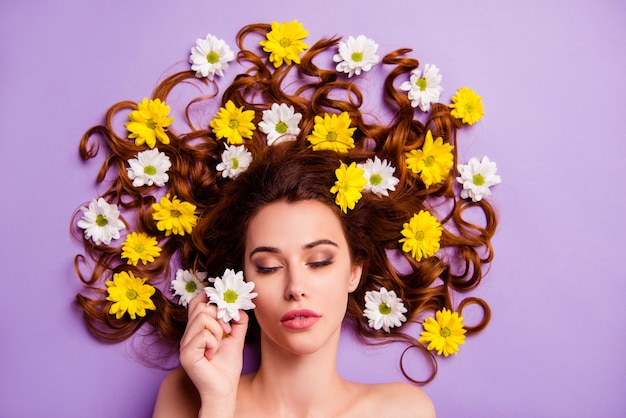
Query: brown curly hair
(289, 171)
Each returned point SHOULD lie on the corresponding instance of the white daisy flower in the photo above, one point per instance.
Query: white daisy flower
(280, 123)
(423, 89)
(379, 176)
(477, 177)
(101, 221)
(235, 160)
(188, 285)
(384, 309)
(231, 293)
(148, 168)
(356, 55)
(210, 56)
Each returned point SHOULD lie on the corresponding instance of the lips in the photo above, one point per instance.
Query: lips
(299, 319)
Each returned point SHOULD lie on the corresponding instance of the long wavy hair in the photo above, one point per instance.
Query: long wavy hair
(291, 172)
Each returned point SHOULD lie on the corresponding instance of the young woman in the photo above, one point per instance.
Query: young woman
(305, 261)
(310, 198)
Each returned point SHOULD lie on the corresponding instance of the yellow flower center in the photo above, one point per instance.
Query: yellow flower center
(149, 170)
(101, 220)
(357, 56)
(384, 309)
(235, 163)
(445, 332)
(234, 124)
(285, 42)
(429, 161)
(421, 83)
(419, 235)
(212, 57)
(151, 124)
(281, 127)
(332, 136)
(131, 294)
(140, 248)
(191, 286)
(469, 107)
(376, 179)
(230, 296)
(175, 213)
(478, 179)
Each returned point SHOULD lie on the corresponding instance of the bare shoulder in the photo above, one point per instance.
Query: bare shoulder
(177, 397)
(401, 400)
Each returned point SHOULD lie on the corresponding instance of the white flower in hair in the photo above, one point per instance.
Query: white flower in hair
(101, 221)
(188, 285)
(383, 309)
(231, 293)
(148, 168)
(356, 55)
(379, 176)
(477, 177)
(210, 56)
(423, 89)
(235, 160)
(280, 123)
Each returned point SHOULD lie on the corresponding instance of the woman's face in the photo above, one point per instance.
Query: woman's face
(298, 257)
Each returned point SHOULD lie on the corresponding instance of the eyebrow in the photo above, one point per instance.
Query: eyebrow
(308, 246)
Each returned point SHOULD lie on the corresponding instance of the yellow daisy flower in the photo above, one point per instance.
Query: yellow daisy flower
(444, 333)
(467, 106)
(284, 42)
(233, 123)
(332, 132)
(149, 122)
(140, 246)
(432, 162)
(421, 235)
(348, 187)
(174, 216)
(129, 294)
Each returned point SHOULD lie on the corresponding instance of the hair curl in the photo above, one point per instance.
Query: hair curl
(289, 172)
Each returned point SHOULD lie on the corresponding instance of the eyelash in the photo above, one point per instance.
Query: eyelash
(313, 265)
(319, 264)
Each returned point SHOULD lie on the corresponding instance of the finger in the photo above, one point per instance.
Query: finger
(203, 309)
(200, 346)
(199, 300)
(239, 328)
(203, 320)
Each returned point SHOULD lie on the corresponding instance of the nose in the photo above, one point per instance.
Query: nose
(295, 288)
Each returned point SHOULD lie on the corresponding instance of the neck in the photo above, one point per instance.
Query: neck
(298, 382)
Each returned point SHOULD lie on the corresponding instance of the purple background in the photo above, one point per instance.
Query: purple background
(552, 77)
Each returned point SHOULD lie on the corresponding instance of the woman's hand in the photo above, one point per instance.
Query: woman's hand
(211, 352)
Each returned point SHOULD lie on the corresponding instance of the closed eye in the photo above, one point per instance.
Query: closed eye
(266, 270)
(320, 264)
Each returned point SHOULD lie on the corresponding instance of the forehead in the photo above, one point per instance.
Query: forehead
(288, 224)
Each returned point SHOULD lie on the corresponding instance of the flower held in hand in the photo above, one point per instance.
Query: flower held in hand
(231, 293)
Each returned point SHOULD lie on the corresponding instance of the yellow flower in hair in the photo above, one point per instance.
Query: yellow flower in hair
(139, 246)
(174, 216)
(149, 122)
(129, 294)
(284, 42)
(332, 132)
(432, 162)
(421, 235)
(443, 333)
(233, 123)
(348, 187)
(467, 106)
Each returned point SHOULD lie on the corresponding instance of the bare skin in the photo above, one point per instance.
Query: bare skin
(298, 258)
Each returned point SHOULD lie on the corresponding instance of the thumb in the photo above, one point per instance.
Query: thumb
(239, 328)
